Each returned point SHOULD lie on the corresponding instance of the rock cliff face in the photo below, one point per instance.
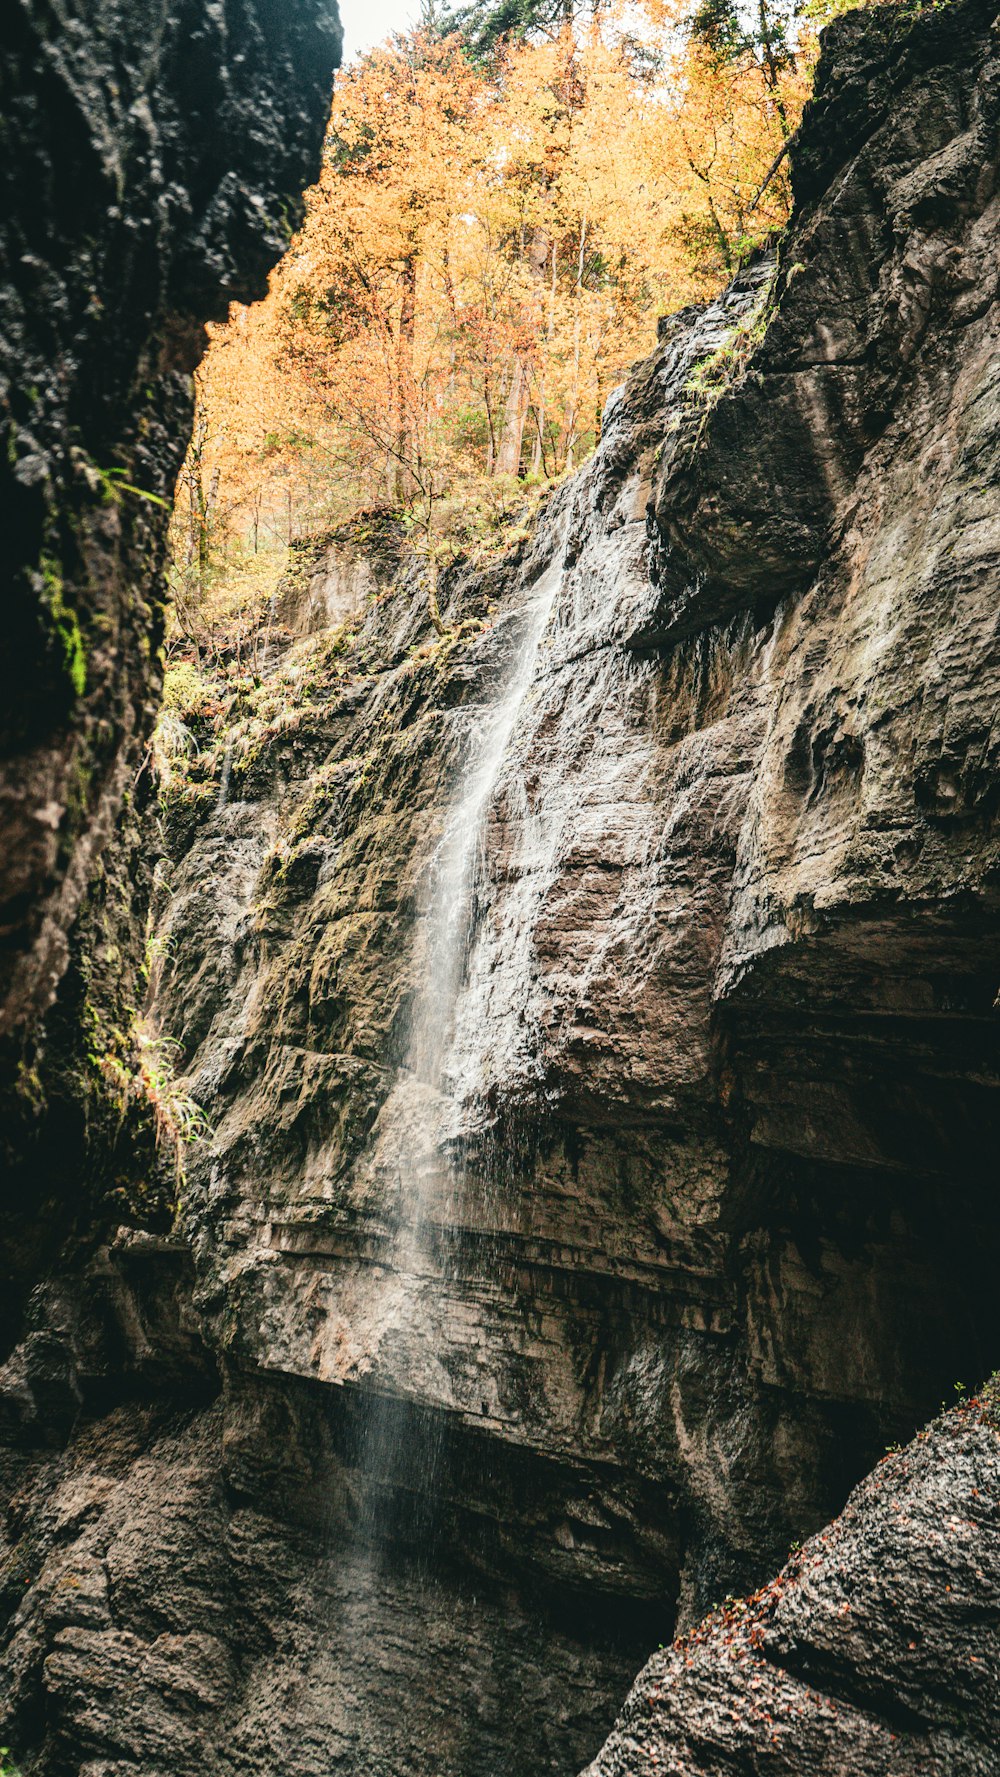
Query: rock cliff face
(152, 160)
(593, 1011)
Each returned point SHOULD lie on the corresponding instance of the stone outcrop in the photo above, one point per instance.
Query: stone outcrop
(485, 1378)
(172, 1610)
(874, 1650)
(153, 160)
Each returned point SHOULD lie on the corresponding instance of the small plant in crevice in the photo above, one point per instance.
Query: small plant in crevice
(178, 1120)
(132, 1080)
(114, 483)
(722, 369)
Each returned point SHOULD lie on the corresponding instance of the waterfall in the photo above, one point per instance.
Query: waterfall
(459, 854)
(398, 1448)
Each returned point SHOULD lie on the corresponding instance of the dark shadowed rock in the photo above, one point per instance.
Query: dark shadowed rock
(874, 1651)
(152, 157)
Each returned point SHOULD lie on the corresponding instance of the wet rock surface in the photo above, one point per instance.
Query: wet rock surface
(491, 1375)
(167, 1621)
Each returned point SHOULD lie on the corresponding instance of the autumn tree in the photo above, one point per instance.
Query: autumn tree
(487, 26)
(490, 243)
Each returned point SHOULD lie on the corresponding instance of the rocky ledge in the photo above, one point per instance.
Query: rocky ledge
(874, 1650)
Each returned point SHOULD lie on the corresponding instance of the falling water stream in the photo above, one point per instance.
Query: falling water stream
(460, 854)
(399, 1445)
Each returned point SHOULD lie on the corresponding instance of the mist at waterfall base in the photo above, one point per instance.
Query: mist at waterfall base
(398, 1444)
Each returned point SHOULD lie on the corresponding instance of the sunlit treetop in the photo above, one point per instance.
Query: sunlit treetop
(504, 211)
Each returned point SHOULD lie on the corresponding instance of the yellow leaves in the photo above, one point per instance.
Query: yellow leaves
(482, 257)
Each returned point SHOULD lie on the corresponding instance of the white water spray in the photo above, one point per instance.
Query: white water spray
(404, 1339)
(459, 855)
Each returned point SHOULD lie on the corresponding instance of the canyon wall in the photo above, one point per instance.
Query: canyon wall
(554, 1266)
(153, 161)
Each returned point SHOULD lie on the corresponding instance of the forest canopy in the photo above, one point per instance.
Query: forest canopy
(511, 196)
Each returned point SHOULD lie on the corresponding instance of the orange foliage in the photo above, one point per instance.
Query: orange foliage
(483, 256)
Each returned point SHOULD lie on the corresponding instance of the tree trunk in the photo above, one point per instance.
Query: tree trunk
(406, 418)
(771, 64)
(575, 408)
(515, 414)
(202, 523)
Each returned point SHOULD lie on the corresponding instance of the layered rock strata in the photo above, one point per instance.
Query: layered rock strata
(551, 1345)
